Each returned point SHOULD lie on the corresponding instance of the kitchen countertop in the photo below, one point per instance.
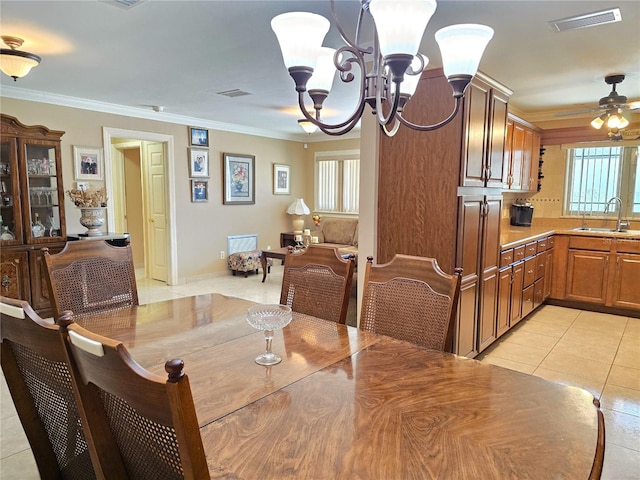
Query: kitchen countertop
(511, 236)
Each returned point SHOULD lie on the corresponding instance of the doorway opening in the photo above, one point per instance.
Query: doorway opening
(141, 198)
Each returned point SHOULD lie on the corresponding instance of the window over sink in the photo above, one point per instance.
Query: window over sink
(596, 174)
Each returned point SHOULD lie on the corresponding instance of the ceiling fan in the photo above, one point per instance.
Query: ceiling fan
(613, 106)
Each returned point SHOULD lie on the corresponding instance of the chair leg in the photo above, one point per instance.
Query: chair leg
(269, 269)
(256, 271)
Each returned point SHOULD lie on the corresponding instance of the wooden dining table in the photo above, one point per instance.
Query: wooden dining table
(350, 404)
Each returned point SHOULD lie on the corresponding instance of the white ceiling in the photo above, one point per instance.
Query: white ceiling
(180, 53)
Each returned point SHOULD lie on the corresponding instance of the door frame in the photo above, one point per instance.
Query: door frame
(108, 133)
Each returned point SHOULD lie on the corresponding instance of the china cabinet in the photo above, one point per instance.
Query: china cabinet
(32, 207)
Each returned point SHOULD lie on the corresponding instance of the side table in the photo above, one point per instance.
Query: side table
(287, 239)
(280, 253)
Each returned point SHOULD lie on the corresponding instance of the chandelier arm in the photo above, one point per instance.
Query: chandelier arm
(394, 130)
(435, 126)
(381, 85)
(344, 36)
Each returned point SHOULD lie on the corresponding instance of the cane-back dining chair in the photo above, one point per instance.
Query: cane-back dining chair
(412, 299)
(317, 282)
(143, 426)
(34, 363)
(91, 276)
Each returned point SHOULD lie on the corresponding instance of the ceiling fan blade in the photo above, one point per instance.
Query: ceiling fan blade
(633, 105)
(577, 112)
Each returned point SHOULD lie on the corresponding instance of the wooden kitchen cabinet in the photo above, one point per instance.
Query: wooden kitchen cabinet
(521, 152)
(601, 272)
(32, 207)
(455, 174)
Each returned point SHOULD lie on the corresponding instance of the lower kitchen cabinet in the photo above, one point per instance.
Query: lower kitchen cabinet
(600, 271)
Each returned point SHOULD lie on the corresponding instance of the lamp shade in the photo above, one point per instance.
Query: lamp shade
(462, 46)
(410, 82)
(300, 35)
(298, 207)
(599, 121)
(618, 121)
(16, 63)
(325, 71)
(307, 126)
(401, 24)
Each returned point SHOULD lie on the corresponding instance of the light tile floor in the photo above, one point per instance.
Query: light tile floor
(597, 352)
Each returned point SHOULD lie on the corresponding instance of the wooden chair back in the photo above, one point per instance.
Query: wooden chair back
(91, 276)
(317, 282)
(34, 363)
(143, 426)
(412, 299)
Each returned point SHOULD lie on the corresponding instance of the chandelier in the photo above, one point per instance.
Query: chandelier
(14, 62)
(396, 65)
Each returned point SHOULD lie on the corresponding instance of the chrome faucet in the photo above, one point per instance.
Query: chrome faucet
(618, 201)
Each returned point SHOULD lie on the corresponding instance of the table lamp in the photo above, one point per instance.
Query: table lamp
(297, 209)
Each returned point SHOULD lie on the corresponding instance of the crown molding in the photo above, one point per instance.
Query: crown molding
(136, 112)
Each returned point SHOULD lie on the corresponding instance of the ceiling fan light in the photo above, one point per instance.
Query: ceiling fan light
(300, 36)
(401, 24)
(462, 47)
(598, 122)
(617, 120)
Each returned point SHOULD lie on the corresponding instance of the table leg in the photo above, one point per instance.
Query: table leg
(263, 260)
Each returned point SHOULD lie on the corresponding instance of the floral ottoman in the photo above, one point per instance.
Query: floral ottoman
(247, 262)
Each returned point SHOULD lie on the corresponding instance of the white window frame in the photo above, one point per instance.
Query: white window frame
(623, 186)
(339, 156)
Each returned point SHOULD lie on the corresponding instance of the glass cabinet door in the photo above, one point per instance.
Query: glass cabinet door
(43, 197)
(10, 221)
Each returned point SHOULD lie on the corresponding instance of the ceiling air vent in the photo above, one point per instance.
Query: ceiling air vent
(126, 4)
(587, 20)
(234, 93)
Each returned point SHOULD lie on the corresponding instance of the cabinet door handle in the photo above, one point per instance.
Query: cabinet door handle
(6, 281)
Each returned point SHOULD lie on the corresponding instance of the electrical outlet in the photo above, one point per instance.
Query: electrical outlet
(222, 254)
(268, 247)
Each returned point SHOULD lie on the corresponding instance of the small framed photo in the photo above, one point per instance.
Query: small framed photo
(88, 164)
(198, 137)
(239, 179)
(199, 190)
(281, 179)
(198, 162)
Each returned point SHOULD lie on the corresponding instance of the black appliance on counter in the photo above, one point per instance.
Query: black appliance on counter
(521, 214)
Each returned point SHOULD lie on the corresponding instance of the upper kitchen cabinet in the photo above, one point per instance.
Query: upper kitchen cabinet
(521, 155)
(485, 120)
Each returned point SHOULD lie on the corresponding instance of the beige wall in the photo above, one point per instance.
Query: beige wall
(202, 228)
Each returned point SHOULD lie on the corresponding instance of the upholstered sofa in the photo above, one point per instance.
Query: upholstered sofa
(340, 233)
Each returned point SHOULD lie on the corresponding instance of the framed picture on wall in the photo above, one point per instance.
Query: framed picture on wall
(198, 137)
(88, 163)
(199, 190)
(281, 179)
(198, 162)
(239, 179)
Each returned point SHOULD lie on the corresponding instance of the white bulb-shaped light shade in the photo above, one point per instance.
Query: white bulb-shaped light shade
(462, 46)
(298, 207)
(410, 82)
(325, 71)
(617, 121)
(17, 64)
(307, 126)
(300, 36)
(401, 24)
(599, 121)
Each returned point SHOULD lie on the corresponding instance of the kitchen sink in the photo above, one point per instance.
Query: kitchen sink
(590, 229)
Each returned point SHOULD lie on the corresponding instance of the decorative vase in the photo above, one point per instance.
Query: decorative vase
(92, 218)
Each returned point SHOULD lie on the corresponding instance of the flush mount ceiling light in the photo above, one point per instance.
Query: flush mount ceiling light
(307, 126)
(396, 65)
(14, 62)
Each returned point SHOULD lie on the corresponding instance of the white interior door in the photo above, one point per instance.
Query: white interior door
(155, 180)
